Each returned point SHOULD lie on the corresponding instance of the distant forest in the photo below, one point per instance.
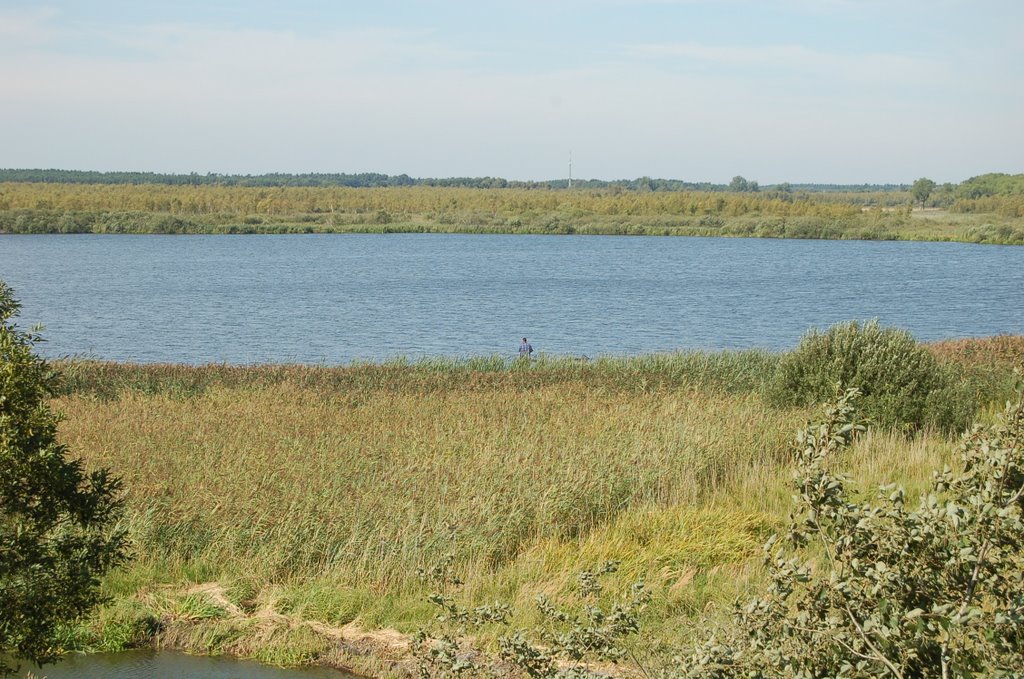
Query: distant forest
(377, 180)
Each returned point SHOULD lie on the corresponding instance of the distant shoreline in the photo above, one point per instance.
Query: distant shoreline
(779, 213)
(977, 229)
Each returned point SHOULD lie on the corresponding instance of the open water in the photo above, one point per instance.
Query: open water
(340, 298)
(145, 664)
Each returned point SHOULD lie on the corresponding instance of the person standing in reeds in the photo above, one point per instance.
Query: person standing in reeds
(525, 350)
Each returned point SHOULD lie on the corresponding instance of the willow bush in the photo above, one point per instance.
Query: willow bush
(882, 589)
(902, 384)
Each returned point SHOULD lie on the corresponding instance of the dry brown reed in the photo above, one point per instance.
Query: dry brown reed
(311, 494)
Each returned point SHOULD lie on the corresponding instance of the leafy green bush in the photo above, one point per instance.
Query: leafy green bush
(58, 522)
(902, 383)
(887, 590)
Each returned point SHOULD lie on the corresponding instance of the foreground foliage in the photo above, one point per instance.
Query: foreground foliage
(564, 645)
(935, 591)
(57, 534)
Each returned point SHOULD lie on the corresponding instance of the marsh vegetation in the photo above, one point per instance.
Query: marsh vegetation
(283, 512)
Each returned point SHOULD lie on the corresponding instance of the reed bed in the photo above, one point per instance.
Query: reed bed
(292, 483)
(311, 494)
(999, 351)
(730, 371)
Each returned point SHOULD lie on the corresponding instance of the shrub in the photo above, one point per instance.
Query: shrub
(58, 531)
(887, 590)
(902, 383)
(564, 646)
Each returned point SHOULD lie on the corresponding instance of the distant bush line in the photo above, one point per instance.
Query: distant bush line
(780, 212)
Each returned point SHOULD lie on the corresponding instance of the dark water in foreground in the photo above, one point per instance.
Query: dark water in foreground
(338, 298)
(169, 665)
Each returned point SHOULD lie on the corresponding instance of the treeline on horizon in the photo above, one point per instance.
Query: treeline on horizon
(995, 184)
(379, 180)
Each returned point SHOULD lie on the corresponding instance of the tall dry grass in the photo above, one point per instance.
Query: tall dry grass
(314, 493)
(730, 371)
(293, 482)
(999, 351)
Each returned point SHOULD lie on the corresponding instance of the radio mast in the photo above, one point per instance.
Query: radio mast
(570, 169)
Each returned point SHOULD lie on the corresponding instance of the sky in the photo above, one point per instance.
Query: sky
(829, 91)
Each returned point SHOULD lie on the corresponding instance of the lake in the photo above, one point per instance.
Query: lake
(346, 297)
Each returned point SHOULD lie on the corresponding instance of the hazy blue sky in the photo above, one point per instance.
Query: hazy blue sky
(776, 90)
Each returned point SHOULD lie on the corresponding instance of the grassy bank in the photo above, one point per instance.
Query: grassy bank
(282, 512)
(112, 208)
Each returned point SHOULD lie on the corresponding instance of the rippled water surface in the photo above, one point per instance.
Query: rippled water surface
(338, 298)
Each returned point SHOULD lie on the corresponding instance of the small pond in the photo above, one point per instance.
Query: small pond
(148, 664)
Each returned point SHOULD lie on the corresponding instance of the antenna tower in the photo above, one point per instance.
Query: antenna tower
(570, 169)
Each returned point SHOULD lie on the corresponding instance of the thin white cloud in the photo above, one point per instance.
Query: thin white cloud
(188, 63)
(798, 59)
(184, 97)
(26, 27)
(338, 48)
